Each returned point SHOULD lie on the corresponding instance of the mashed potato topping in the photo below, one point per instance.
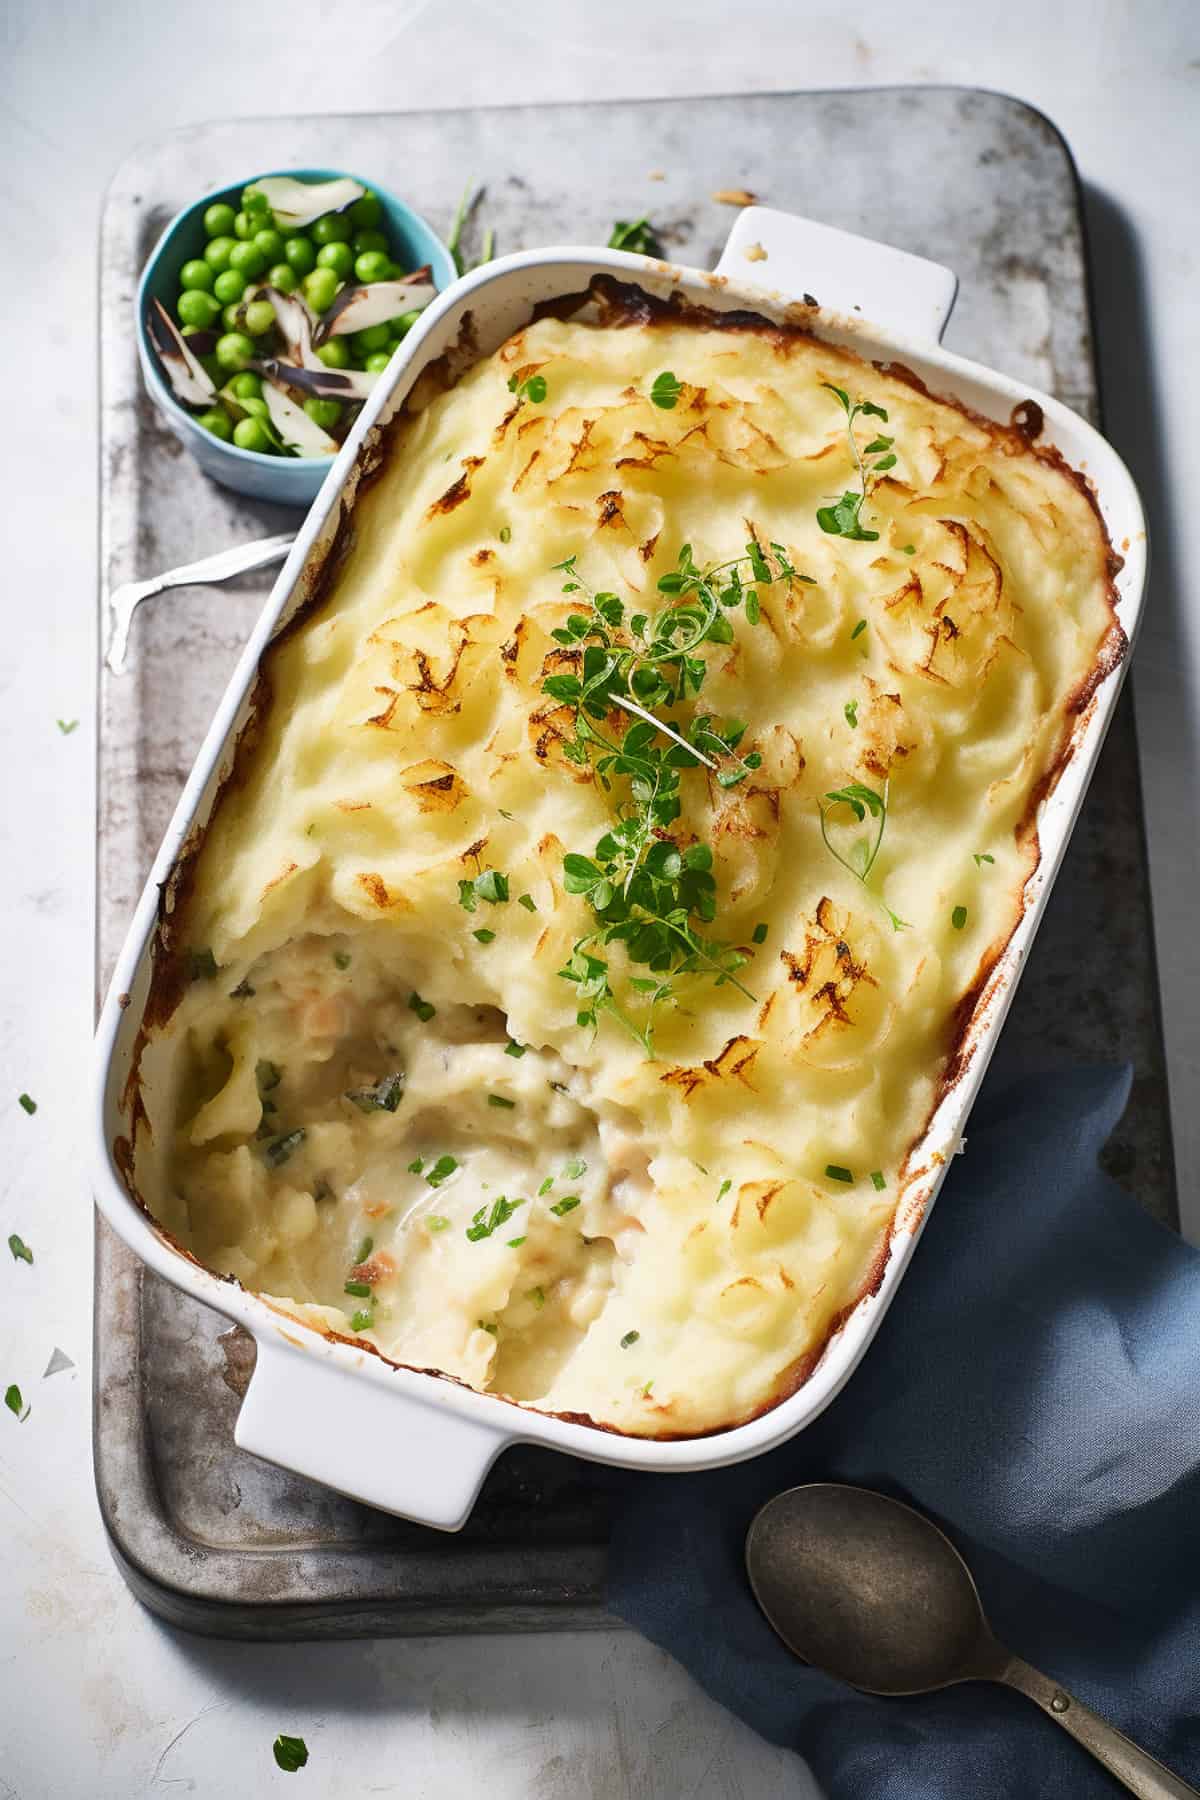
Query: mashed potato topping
(383, 1108)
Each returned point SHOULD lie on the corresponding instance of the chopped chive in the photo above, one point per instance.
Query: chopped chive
(362, 1321)
(422, 1008)
(538, 1297)
(546, 1186)
(483, 1325)
(850, 710)
(566, 1205)
(364, 1250)
(645, 1392)
(283, 1147)
(416, 1165)
(501, 1100)
(342, 959)
(435, 1222)
(268, 1075)
(958, 917)
(14, 1403)
(877, 1178)
(515, 1243)
(836, 1173)
(574, 1168)
(202, 965)
(512, 1048)
(66, 726)
(21, 1251)
(442, 1168)
(527, 901)
(505, 533)
(385, 1096)
(631, 1337)
(483, 935)
(29, 1105)
(981, 857)
(908, 549)
(724, 1188)
(360, 1289)
(861, 626)
(759, 934)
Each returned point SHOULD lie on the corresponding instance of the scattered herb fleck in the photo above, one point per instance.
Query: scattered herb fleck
(362, 1321)
(435, 1222)
(573, 1168)
(631, 1337)
(360, 1289)
(291, 1753)
(859, 628)
(487, 1220)
(546, 1186)
(515, 1243)
(202, 965)
(505, 534)
(30, 1106)
(281, 1148)
(501, 1100)
(512, 1048)
(877, 1179)
(724, 1188)
(416, 1165)
(422, 1008)
(538, 1296)
(533, 388)
(637, 235)
(665, 391)
(342, 959)
(759, 934)
(908, 549)
(850, 711)
(66, 726)
(15, 1404)
(442, 1169)
(21, 1251)
(844, 518)
(483, 935)
(645, 1391)
(835, 1172)
(981, 857)
(364, 1250)
(566, 1205)
(527, 901)
(385, 1096)
(958, 917)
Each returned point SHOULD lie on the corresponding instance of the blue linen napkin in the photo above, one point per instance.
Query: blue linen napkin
(1035, 1388)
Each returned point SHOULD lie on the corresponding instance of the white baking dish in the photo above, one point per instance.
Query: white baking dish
(420, 1444)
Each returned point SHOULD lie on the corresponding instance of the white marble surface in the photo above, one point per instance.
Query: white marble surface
(95, 1698)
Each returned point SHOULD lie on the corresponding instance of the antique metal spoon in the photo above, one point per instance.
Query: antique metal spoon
(124, 601)
(873, 1593)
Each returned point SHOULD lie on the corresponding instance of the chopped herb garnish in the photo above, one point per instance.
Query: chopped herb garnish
(631, 1337)
(533, 388)
(21, 1251)
(442, 1169)
(527, 901)
(835, 1172)
(202, 965)
(981, 857)
(501, 1100)
(422, 1008)
(364, 1250)
(385, 1096)
(859, 628)
(573, 1168)
(30, 1106)
(362, 1321)
(645, 1391)
(15, 1404)
(492, 886)
(285, 1146)
(877, 1179)
(435, 1222)
(268, 1075)
(515, 1243)
(759, 934)
(342, 959)
(484, 1325)
(537, 1295)
(724, 1188)
(416, 1165)
(860, 800)
(566, 1205)
(512, 1048)
(666, 390)
(291, 1753)
(66, 726)
(483, 935)
(908, 549)
(637, 235)
(505, 533)
(844, 518)
(360, 1289)
(546, 1186)
(850, 710)
(485, 1221)
(958, 917)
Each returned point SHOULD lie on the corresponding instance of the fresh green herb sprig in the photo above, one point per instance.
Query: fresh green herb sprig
(644, 889)
(844, 518)
(637, 235)
(860, 800)
(533, 389)
(665, 390)
(27, 1104)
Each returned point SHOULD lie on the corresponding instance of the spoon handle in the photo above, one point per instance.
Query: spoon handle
(1140, 1773)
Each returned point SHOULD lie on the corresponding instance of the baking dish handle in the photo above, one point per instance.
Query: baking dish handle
(841, 272)
(379, 1442)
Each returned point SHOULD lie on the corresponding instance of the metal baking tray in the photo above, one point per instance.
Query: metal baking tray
(212, 1538)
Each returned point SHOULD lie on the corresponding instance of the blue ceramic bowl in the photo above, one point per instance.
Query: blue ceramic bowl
(288, 480)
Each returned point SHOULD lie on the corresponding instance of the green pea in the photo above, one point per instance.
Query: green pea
(372, 265)
(216, 254)
(404, 324)
(216, 421)
(378, 361)
(229, 315)
(324, 413)
(283, 277)
(254, 200)
(338, 257)
(229, 286)
(218, 219)
(196, 274)
(334, 228)
(319, 289)
(269, 244)
(251, 434)
(255, 408)
(196, 308)
(234, 350)
(300, 254)
(246, 386)
(367, 211)
(335, 354)
(259, 317)
(370, 339)
(369, 240)
(244, 226)
(248, 260)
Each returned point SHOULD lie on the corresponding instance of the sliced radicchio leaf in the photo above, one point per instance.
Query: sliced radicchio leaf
(358, 308)
(298, 203)
(189, 379)
(295, 428)
(326, 384)
(295, 324)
